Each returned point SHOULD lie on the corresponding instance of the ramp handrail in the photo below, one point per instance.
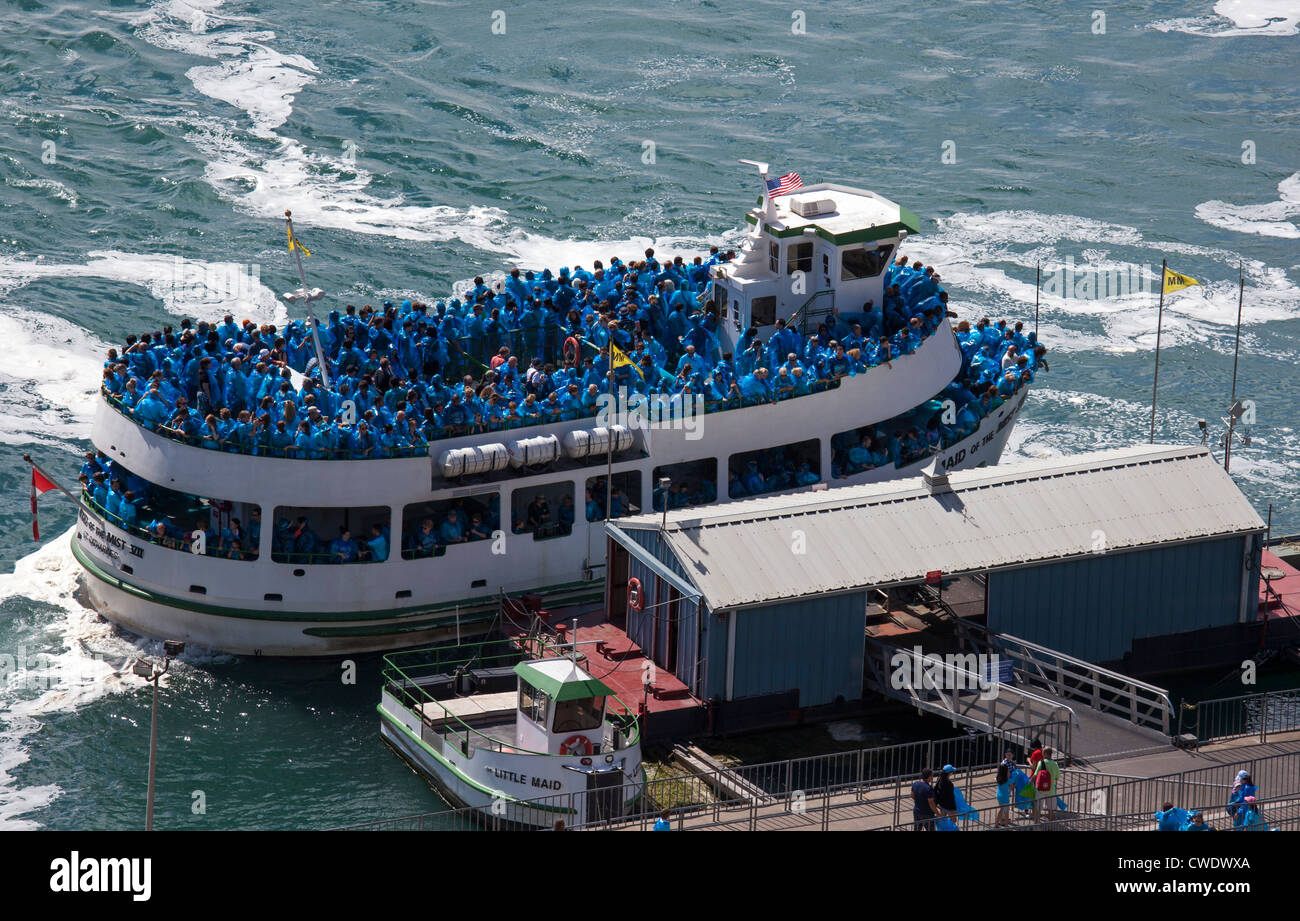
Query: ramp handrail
(1100, 688)
(950, 700)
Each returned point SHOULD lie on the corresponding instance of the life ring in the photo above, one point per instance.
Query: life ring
(576, 745)
(634, 598)
(572, 345)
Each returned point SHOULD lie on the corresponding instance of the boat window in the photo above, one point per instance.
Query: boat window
(543, 511)
(429, 528)
(624, 493)
(533, 703)
(753, 473)
(799, 258)
(864, 263)
(577, 715)
(773, 256)
(762, 311)
(331, 535)
(690, 483)
(167, 518)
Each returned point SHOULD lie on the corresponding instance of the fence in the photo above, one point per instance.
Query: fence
(736, 797)
(1259, 715)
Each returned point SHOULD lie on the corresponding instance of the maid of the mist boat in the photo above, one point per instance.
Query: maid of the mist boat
(526, 741)
(815, 256)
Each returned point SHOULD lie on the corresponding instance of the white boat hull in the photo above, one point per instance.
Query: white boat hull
(512, 788)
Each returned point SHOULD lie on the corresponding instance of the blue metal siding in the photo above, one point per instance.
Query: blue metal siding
(713, 670)
(1093, 608)
(815, 645)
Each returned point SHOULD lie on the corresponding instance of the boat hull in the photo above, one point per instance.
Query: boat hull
(274, 609)
(514, 789)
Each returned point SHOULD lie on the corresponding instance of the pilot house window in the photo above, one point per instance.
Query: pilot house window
(799, 258)
(762, 311)
(773, 257)
(863, 263)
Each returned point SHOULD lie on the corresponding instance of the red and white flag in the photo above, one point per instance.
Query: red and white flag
(39, 485)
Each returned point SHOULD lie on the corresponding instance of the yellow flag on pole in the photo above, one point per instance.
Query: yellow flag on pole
(293, 241)
(617, 359)
(1175, 282)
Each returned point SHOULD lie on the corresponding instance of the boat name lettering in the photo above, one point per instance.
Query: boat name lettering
(104, 540)
(524, 779)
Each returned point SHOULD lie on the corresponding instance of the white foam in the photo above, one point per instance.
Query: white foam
(1270, 220)
(185, 286)
(51, 186)
(67, 662)
(69, 659)
(1247, 17)
(50, 374)
(974, 253)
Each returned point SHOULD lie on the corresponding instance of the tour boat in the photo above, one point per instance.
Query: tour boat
(816, 255)
(524, 740)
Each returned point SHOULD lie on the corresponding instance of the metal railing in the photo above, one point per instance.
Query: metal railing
(1247, 715)
(957, 693)
(1074, 679)
(1279, 813)
(740, 796)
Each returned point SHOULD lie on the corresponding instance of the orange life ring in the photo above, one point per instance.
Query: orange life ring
(635, 600)
(576, 745)
(572, 344)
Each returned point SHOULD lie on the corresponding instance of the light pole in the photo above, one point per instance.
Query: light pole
(149, 671)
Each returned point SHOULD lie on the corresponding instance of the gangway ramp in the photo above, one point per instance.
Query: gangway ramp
(1118, 713)
(945, 687)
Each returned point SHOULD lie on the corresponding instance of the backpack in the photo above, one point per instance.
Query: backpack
(1043, 780)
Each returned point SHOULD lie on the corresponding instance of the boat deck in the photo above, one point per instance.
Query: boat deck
(613, 657)
(1279, 597)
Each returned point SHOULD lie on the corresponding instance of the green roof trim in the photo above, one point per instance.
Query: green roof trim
(561, 690)
(909, 222)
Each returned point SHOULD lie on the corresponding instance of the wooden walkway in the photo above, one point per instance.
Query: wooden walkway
(880, 808)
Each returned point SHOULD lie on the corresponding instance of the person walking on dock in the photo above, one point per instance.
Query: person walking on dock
(924, 809)
(945, 794)
(1171, 819)
(664, 822)
(1045, 773)
(1242, 787)
(1005, 770)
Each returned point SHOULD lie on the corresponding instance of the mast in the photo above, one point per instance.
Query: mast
(307, 295)
(1232, 405)
(1155, 384)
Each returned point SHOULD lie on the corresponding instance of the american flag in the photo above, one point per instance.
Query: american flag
(784, 186)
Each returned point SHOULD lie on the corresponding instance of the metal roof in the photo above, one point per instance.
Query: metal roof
(561, 679)
(853, 537)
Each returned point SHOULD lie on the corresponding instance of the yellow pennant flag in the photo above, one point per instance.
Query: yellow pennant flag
(618, 359)
(293, 241)
(1175, 282)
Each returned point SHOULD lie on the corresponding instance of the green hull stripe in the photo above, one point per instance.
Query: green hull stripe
(460, 774)
(447, 609)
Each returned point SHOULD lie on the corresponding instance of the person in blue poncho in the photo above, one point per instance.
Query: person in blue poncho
(1248, 816)
(452, 530)
(377, 545)
(1195, 822)
(1170, 818)
(343, 549)
(1242, 787)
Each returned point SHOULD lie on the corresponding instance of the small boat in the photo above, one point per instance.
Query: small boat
(525, 740)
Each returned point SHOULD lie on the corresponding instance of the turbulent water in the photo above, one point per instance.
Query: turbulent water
(147, 151)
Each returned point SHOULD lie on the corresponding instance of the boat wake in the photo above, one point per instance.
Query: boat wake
(1235, 18)
(1274, 219)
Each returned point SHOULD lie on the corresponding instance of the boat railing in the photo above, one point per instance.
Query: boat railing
(407, 675)
(174, 539)
(468, 345)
